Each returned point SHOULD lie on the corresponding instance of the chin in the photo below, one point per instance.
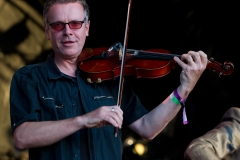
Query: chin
(71, 53)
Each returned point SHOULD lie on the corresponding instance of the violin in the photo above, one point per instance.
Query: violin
(101, 64)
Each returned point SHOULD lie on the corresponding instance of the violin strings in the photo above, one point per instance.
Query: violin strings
(152, 55)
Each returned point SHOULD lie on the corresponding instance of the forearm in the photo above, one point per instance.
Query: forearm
(155, 121)
(39, 134)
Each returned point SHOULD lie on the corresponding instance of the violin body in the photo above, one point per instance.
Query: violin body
(99, 64)
(101, 69)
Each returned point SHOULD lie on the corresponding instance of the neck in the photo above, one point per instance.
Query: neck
(67, 67)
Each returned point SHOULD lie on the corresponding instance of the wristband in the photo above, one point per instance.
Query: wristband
(178, 100)
(174, 99)
(178, 97)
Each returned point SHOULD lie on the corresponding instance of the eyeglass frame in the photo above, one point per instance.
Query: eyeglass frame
(65, 24)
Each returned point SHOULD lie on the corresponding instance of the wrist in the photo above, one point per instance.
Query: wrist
(183, 92)
(80, 122)
(177, 99)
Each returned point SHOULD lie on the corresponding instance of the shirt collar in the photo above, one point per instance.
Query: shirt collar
(53, 71)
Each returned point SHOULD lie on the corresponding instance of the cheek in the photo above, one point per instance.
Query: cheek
(82, 37)
(55, 38)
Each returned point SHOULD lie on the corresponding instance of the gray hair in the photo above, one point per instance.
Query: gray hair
(50, 3)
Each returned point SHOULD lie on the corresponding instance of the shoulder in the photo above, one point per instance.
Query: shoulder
(31, 68)
(30, 71)
(232, 113)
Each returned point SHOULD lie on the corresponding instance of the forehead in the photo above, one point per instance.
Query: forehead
(66, 12)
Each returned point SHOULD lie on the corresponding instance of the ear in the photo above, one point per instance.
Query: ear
(46, 32)
(87, 28)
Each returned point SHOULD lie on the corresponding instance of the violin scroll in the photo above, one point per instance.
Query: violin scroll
(224, 69)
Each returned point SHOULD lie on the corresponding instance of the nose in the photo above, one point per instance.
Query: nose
(67, 29)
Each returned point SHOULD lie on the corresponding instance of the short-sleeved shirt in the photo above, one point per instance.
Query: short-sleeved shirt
(40, 92)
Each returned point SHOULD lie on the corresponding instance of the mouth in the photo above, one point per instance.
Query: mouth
(68, 43)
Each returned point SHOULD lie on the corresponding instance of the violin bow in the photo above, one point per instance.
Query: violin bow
(121, 81)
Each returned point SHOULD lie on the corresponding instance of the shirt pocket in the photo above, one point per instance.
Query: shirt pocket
(52, 109)
(102, 99)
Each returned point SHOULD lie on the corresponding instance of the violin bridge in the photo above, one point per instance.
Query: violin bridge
(120, 54)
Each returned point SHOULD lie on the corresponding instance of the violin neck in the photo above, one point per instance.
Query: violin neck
(152, 55)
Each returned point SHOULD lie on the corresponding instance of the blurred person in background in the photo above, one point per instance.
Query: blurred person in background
(220, 143)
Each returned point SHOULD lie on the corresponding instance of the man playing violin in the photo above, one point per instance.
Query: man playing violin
(55, 114)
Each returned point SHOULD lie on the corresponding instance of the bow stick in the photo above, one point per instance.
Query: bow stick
(123, 62)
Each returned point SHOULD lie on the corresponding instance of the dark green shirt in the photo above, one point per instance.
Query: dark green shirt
(40, 92)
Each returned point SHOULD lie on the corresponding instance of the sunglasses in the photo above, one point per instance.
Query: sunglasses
(59, 26)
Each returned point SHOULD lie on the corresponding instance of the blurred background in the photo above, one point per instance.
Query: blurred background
(174, 25)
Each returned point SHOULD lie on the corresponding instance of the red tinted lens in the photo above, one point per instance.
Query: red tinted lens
(75, 25)
(58, 26)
